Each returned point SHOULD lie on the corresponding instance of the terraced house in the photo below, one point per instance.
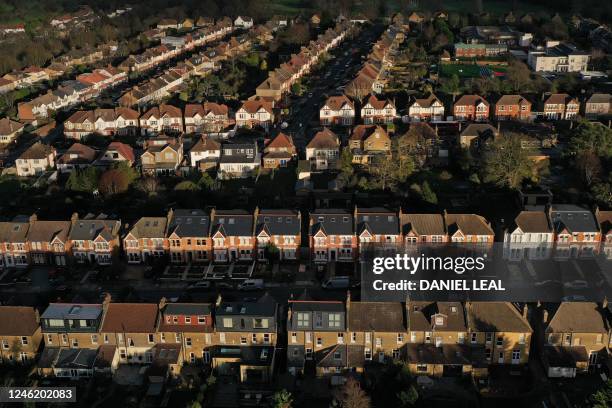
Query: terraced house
(576, 231)
(48, 242)
(316, 337)
(189, 325)
(146, 239)
(530, 236)
(278, 233)
(94, 239)
(108, 122)
(377, 228)
(332, 236)
(20, 335)
(73, 325)
(188, 236)
(576, 336)
(469, 229)
(232, 233)
(422, 228)
(246, 335)
(14, 243)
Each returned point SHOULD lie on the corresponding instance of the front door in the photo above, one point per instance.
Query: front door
(332, 255)
(500, 360)
(592, 359)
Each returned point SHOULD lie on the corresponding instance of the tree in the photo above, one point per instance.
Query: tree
(149, 185)
(593, 138)
(408, 398)
(351, 396)
(206, 182)
(113, 181)
(518, 75)
(85, 181)
(589, 165)
(186, 185)
(505, 163)
(451, 86)
(282, 399)
(427, 194)
(602, 398)
(271, 252)
(296, 34)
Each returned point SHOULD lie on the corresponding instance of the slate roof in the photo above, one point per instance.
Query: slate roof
(278, 222)
(578, 317)
(378, 221)
(420, 316)
(18, 321)
(76, 311)
(66, 358)
(189, 223)
(460, 354)
(572, 217)
(90, 228)
(496, 317)
(130, 318)
(423, 224)
(187, 309)
(332, 222)
(265, 306)
(247, 355)
(232, 223)
(385, 317)
(316, 306)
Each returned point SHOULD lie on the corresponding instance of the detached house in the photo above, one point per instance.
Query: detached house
(430, 108)
(117, 152)
(471, 107)
(9, 130)
(332, 236)
(162, 156)
(513, 107)
(146, 239)
(246, 335)
(561, 107)
(576, 230)
(14, 243)
(20, 335)
(316, 336)
(162, 118)
(232, 232)
(476, 135)
(78, 156)
(35, 160)
(531, 236)
(323, 150)
(48, 242)
(374, 110)
(337, 110)
(208, 117)
(278, 229)
(576, 337)
(368, 143)
(239, 158)
(243, 22)
(188, 236)
(598, 105)
(255, 113)
(279, 152)
(94, 239)
(205, 154)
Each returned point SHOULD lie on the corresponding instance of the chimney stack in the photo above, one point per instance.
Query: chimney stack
(526, 311)
(545, 316)
(162, 303)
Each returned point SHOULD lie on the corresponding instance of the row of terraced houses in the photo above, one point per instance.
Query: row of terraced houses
(195, 235)
(324, 338)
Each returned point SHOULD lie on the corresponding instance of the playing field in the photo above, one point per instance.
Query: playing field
(470, 70)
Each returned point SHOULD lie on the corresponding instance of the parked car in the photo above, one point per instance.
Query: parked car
(199, 285)
(337, 282)
(251, 284)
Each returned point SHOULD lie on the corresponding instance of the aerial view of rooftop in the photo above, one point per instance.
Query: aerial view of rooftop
(306, 203)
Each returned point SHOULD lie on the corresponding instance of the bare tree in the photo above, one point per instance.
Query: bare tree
(352, 396)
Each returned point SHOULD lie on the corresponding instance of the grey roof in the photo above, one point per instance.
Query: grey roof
(79, 358)
(420, 316)
(265, 306)
(278, 222)
(332, 222)
(600, 98)
(89, 229)
(379, 221)
(188, 309)
(72, 311)
(316, 306)
(189, 223)
(573, 218)
(248, 355)
(232, 223)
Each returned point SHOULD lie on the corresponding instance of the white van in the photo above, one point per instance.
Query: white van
(251, 284)
(337, 282)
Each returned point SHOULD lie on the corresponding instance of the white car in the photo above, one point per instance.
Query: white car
(200, 285)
